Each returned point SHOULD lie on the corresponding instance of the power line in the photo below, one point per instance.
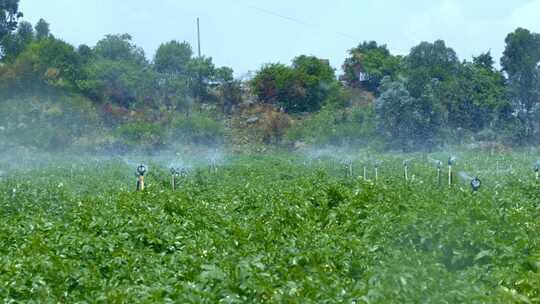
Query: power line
(296, 20)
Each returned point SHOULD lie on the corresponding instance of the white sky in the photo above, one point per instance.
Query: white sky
(244, 34)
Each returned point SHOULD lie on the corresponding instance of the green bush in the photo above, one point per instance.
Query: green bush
(335, 127)
(199, 128)
(141, 135)
(302, 87)
(48, 122)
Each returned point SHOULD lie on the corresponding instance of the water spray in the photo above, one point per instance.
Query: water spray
(141, 171)
(377, 164)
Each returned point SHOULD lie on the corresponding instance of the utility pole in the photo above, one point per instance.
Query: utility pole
(199, 36)
(198, 93)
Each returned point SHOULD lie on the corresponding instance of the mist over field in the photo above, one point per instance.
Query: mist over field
(129, 177)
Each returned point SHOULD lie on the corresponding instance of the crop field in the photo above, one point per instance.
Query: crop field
(274, 228)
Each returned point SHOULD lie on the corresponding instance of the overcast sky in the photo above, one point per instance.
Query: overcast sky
(244, 34)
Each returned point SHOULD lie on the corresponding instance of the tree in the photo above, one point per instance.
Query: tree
(42, 29)
(408, 121)
(201, 71)
(475, 95)
(302, 87)
(429, 61)
(25, 32)
(117, 82)
(484, 60)
(119, 47)
(116, 71)
(173, 58)
(45, 64)
(14, 44)
(520, 61)
(223, 75)
(9, 14)
(395, 110)
(318, 81)
(273, 83)
(86, 53)
(368, 64)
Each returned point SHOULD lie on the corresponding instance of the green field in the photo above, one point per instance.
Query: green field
(270, 228)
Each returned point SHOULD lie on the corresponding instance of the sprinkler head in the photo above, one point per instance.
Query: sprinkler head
(537, 167)
(141, 170)
(476, 184)
(451, 161)
(439, 164)
(174, 171)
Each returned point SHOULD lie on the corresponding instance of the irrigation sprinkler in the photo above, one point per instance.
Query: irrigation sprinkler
(439, 172)
(213, 168)
(365, 172)
(347, 168)
(476, 184)
(175, 173)
(377, 164)
(537, 170)
(451, 162)
(141, 171)
(406, 170)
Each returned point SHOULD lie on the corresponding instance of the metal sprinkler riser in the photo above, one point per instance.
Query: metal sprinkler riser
(174, 174)
(141, 171)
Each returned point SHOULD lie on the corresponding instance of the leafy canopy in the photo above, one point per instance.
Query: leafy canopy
(368, 64)
(302, 87)
(9, 14)
(173, 57)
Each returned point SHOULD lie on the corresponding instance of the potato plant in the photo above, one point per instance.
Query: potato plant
(271, 229)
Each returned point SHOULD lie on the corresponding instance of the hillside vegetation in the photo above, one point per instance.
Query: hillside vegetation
(426, 99)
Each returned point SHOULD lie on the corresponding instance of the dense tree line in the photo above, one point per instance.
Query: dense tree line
(424, 98)
(427, 97)
(114, 72)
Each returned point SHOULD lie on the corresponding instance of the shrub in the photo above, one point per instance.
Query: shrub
(198, 128)
(141, 135)
(274, 126)
(302, 87)
(335, 127)
(51, 123)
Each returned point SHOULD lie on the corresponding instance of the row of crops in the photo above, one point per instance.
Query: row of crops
(271, 228)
